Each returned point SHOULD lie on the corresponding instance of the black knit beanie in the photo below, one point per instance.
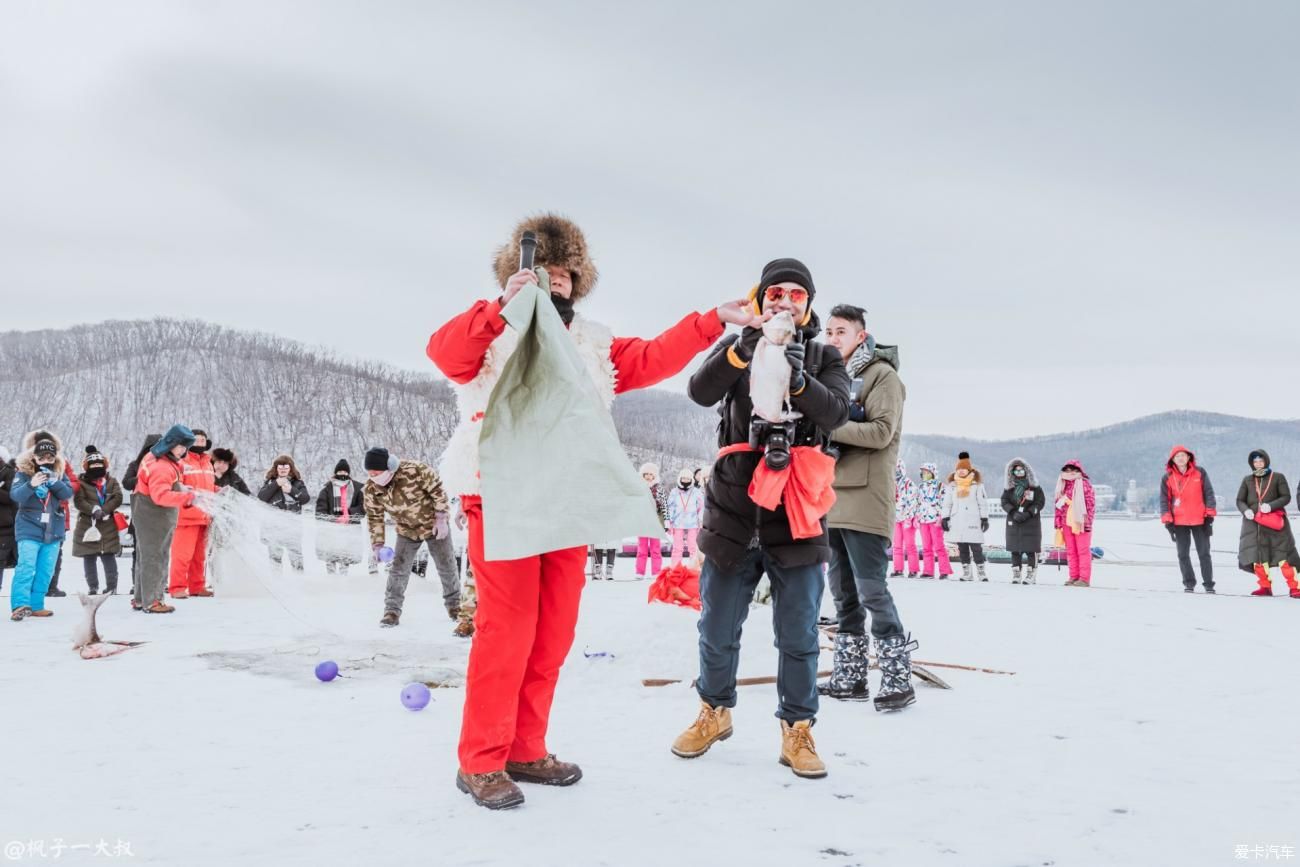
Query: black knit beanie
(342, 467)
(786, 271)
(377, 459)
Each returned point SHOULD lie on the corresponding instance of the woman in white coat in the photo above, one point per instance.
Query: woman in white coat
(966, 515)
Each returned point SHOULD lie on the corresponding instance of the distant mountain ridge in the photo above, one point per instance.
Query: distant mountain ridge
(113, 382)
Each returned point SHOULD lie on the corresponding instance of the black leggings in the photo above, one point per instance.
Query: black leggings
(1032, 557)
(965, 549)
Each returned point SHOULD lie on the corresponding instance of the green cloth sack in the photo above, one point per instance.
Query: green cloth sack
(552, 471)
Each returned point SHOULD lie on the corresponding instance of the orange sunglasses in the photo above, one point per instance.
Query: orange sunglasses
(797, 296)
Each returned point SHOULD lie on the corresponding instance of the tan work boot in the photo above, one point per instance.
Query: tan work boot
(712, 725)
(494, 790)
(798, 752)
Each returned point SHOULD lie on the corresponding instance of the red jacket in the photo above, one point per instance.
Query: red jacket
(197, 473)
(457, 348)
(1186, 499)
(155, 480)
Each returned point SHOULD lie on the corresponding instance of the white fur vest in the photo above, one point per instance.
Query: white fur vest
(459, 465)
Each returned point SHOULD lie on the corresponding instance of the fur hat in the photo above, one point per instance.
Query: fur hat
(650, 469)
(559, 242)
(40, 440)
(226, 456)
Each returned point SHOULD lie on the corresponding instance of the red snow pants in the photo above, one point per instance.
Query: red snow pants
(523, 629)
(189, 559)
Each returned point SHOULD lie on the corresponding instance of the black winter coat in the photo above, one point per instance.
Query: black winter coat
(328, 506)
(8, 508)
(1259, 544)
(234, 480)
(290, 502)
(730, 516)
(1024, 526)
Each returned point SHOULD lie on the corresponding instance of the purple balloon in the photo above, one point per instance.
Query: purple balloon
(385, 554)
(415, 696)
(327, 670)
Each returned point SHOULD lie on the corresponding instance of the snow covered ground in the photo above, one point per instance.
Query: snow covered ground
(1143, 726)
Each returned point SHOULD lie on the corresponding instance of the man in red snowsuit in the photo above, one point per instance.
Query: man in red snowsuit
(528, 608)
(189, 552)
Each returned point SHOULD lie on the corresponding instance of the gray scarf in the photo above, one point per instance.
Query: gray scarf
(861, 357)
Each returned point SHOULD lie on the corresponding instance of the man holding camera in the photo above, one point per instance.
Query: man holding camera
(862, 519)
(785, 538)
(528, 607)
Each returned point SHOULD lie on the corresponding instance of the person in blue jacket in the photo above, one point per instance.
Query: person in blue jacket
(40, 488)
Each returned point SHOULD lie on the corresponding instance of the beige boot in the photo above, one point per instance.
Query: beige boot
(798, 752)
(712, 725)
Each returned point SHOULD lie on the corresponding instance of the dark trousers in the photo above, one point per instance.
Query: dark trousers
(796, 601)
(58, 568)
(8, 553)
(859, 583)
(1018, 557)
(1183, 538)
(966, 549)
(92, 572)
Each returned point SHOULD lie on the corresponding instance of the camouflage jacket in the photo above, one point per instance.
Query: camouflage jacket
(413, 498)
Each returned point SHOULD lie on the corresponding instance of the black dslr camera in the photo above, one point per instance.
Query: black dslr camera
(774, 438)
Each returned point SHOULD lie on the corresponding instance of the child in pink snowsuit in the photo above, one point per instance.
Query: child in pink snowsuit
(651, 547)
(685, 515)
(906, 501)
(1076, 505)
(929, 518)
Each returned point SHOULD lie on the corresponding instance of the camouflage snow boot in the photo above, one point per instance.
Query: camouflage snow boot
(848, 680)
(894, 656)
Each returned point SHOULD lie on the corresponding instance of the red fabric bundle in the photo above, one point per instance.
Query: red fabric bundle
(678, 585)
(805, 486)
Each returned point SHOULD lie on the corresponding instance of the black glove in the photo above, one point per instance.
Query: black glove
(1173, 536)
(857, 412)
(944, 524)
(1209, 521)
(984, 525)
(97, 514)
(794, 353)
(748, 342)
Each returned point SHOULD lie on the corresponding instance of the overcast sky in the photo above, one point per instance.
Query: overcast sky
(1065, 214)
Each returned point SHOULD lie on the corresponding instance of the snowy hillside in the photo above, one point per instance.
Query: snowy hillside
(110, 384)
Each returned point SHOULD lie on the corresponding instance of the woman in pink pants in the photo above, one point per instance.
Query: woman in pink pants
(905, 524)
(1076, 504)
(685, 515)
(929, 520)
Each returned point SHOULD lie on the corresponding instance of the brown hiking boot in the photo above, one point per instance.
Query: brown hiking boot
(453, 612)
(464, 628)
(390, 618)
(180, 594)
(548, 771)
(42, 612)
(712, 725)
(20, 613)
(202, 593)
(158, 607)
(496, 790)
(798, 752)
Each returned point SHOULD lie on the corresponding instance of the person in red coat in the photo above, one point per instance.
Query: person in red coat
(1187, 509)
(189, 553)
(528, 608)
